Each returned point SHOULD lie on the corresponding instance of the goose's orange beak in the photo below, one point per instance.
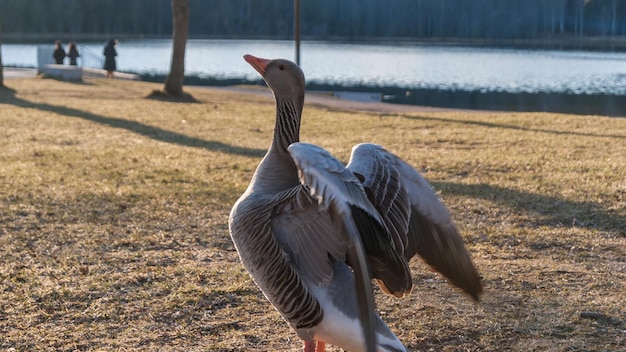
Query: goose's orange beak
(258, 63)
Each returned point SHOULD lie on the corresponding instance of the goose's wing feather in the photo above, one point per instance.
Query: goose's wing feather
(340, 217)
(416, 218)
(341, 197)
(302, 227)
(309, 220)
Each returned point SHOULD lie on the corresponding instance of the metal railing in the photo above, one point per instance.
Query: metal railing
(90, 59)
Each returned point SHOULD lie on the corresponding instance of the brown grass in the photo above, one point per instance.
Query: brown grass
(113, 222)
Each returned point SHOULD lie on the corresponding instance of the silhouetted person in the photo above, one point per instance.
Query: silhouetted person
(109, 57)
(59, 53)
(72, 52)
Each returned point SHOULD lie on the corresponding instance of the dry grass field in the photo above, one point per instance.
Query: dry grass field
(114, 207)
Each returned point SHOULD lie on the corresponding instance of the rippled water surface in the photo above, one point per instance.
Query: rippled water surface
(401, 65)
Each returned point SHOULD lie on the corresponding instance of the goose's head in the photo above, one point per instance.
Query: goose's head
(283, 77)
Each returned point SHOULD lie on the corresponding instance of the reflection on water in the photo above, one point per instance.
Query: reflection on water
(398, 65)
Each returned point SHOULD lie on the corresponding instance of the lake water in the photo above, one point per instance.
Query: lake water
(398, 65)
(577, 82)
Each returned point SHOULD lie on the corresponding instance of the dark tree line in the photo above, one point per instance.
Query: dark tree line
(322, 19)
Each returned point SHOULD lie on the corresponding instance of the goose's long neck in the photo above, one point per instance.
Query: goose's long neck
(277, 170)
(287, 128)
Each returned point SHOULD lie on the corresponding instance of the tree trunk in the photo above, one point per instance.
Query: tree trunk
(180, 24)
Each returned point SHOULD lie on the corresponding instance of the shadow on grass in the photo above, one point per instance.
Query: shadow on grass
(550, 211)
(165, 96)
(79, 82)
(7, 96)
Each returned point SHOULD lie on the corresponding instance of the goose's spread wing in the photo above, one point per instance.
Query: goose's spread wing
(329, 215)
(340, 201)
(417, 221)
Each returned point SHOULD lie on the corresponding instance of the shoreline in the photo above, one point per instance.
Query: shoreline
(612, 105)
(397, 99)
(608, 44)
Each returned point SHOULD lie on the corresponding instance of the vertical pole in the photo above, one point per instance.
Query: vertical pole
(296, 27)
(1, 67)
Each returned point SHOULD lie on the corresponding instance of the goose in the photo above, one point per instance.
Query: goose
(314, 233)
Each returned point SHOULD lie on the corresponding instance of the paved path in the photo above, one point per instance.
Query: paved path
(16, 72)
(326, 100)
(13, 72)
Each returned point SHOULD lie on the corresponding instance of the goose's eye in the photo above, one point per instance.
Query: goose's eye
(281, 67)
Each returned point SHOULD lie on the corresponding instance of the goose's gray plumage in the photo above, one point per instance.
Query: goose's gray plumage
(312, 232)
